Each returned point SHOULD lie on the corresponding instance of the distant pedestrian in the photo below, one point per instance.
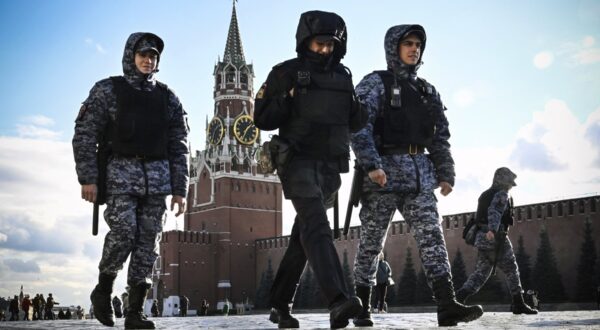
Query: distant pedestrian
(154, 309)
(204, 308)
(226, 308)
(42, 307)
(25, 304)
(384, 279)
(68, 314)
(79, 313)
(116, 302)
(184, 302)
(35, 304)
(13, 308)
(49, 306)
(125, 299)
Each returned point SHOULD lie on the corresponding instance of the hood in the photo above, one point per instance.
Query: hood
(392, 39)
(313, 23)
(504, 178)
(146, 39)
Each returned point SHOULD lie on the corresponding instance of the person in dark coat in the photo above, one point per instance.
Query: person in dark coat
(311, 100)
(384, 280)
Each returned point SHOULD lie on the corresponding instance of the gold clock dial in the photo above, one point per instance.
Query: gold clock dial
(215, 131)
(244, 130)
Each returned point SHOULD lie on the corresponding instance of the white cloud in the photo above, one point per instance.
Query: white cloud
(36, 132)
(99, 48)
(39, 120)
(464, 97)
(20, 266)
(587, 56)
(543, 59)
(2, 237)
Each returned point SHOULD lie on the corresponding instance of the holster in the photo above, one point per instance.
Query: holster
(281, 152)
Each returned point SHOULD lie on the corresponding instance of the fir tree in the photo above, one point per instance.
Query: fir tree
(261, 293)
(493, 290)
(459, 271)
(586, 281)
(408, 282)
(266, 281)
(546, 278)
(523, 261)
(423, 294)
(348, 274)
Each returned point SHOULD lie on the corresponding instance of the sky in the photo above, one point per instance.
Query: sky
(520, 79)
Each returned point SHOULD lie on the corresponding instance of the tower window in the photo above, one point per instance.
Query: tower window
(581, 206)
(592, 205)
(549, 210)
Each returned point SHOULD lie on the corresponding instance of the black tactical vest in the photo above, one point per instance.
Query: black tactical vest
(407, 119)
(484, 203)
(141, 124)
(323, 101)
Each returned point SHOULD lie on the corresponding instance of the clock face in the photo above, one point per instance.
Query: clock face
(215, 131)
(244, 130)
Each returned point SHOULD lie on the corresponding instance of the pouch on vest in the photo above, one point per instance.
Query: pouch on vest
(470, 232)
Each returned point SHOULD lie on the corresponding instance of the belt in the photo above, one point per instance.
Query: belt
(411, 149)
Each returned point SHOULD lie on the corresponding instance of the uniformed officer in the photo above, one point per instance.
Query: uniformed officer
(406, 119)
(144, 127)
(311, 100)
(494, 215)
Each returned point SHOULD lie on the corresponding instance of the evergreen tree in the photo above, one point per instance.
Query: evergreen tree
(523, 261)
(348, 274)
(303, 292)
(459, 271)
(423, 294)
(408, 281)
(586, 281)
(546, 278)
(493, 290)
(262, 293)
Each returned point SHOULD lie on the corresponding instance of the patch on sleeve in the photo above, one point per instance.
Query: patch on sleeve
(261, 91)
(82, 112)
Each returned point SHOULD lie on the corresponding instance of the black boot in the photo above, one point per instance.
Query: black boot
(364, 318)
(135, 318)
(449, 311)
(520, 307)
(283, 318)
(101, 300)
(343, 310)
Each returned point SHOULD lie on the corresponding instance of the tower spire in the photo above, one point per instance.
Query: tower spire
(234, 51)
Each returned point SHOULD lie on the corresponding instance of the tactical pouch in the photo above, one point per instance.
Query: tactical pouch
(282, 152)
(470, 232)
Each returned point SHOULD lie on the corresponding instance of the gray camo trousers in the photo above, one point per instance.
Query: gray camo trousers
(135, 229)
(420, 213)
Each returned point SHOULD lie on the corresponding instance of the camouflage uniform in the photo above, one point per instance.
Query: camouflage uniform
(136, 188)
(503, 181)
(411, 179)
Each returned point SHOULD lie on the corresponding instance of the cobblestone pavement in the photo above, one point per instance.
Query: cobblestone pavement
(489, 320)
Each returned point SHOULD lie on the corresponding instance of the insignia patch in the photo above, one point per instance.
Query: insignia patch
(82, 111)
(261, 91)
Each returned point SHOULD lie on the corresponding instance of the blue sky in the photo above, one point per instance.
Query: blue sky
(520, 80)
